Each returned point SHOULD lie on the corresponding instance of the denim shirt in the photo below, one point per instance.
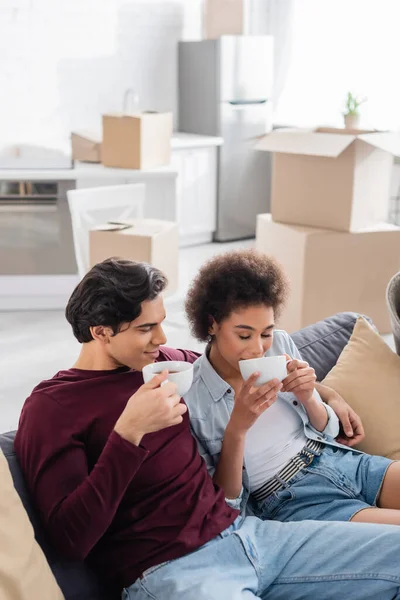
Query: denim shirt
(210, 402)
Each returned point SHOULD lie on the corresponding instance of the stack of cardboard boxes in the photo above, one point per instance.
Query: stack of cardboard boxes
(327, 227)
(223, 17)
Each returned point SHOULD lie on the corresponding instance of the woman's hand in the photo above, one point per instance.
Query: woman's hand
(300, 380)
(250, 403)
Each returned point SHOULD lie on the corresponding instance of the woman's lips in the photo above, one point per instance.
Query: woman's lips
(153, 354)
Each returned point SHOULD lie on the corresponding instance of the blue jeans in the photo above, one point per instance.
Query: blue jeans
(334, 487)
(280, 561)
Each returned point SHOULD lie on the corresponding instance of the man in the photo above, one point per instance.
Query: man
(116, 476)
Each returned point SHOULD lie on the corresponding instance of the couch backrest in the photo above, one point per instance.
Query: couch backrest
(320, 344)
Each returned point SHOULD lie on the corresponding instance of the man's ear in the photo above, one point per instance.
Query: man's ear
(101, 333)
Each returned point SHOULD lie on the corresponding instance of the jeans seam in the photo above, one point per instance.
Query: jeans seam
(146, 591)
(153, 569)
(327, 473)
(278, 506)
(378, 493)
(336, 577)
(252, 561)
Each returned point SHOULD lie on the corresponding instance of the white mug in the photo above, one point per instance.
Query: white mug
(269, 367)
(179, 372)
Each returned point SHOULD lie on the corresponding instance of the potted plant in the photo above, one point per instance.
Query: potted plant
(351, 114)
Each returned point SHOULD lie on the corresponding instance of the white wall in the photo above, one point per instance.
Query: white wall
(65, 62)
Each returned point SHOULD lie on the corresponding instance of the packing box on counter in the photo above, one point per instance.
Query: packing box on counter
(148, 240)
(332, 271)
(331, 178)
(86, 147)
(223, 17)
(137, 141)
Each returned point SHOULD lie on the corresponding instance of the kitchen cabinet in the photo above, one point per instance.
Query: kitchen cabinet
(196, 195)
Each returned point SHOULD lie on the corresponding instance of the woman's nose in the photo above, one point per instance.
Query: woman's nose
(258, 348)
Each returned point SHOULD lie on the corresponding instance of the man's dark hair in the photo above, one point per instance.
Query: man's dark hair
(232, 281)
(111, 294)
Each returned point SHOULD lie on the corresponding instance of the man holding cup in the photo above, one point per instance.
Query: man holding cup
(116, 476)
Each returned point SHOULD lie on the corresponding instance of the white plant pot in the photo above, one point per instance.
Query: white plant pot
(352, 121)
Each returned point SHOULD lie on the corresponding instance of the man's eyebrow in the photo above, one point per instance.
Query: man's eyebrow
(252, 328)
(148, 324)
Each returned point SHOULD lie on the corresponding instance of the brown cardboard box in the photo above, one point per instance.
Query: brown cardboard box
(223, 17)
(332, 271)
(148, 240)
(331, 178)
(137, 141)
(86, 147)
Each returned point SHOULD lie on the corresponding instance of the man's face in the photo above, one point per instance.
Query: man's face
(137, 344)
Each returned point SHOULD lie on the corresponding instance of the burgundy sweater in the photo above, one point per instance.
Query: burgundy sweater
(123, 507)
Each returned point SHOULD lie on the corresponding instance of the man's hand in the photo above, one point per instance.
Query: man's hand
(150, 409)
(300, 380)
(352, 430)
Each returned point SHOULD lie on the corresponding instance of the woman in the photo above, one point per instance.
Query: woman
(274, 444)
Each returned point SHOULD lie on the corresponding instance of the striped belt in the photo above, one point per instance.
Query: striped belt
(297, 463)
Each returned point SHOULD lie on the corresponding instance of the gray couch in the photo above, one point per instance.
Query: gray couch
(320, 344)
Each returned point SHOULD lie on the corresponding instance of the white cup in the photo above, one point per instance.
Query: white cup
(179, 372)
(269, 367)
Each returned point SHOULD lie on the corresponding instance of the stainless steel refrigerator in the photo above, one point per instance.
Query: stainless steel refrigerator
(225, 89)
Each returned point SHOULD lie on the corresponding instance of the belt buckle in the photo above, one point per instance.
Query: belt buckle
(309, 456)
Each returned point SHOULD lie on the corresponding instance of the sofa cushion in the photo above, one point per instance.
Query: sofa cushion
(75, 579)
(367, 375)
(320, 344)
(24, 571)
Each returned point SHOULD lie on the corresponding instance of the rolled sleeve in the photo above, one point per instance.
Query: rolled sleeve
(235, 502)
(332, 426)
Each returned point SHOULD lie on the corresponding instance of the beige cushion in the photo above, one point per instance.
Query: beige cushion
(24, 572)
(367, 375)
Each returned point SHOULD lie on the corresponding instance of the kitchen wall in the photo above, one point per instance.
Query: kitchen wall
(64, 62)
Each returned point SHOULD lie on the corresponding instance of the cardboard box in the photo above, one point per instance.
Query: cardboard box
(86, 146)
(148, 240)
(137, 141)
(223, 17)
(331, 178)
(332, 271)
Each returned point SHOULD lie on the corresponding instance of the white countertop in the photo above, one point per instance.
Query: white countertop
(85, 171)
(180, 141)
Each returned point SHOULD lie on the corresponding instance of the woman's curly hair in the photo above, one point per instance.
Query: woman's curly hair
(232, 281)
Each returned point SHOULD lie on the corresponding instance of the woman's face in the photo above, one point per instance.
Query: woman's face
(246, 333)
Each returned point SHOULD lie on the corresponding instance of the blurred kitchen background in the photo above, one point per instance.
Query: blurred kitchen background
(205, 82)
